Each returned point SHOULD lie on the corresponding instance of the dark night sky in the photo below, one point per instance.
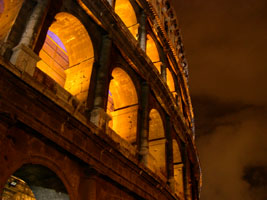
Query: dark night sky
(226, 48)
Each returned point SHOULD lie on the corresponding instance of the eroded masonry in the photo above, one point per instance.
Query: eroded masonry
(94, 102)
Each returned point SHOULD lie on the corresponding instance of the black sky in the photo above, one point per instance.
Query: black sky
(226, 48)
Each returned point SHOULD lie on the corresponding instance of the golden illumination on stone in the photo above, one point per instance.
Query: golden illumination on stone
(125, 10)
(152, 52)
(8, 13)
(170, 81)
(17, 189)
(75, 78)
(89, 12)
(54, 60)
(178, 170)
(156, 143)
(123, 105)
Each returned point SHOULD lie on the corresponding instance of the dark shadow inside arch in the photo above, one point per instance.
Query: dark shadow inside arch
(34, 182)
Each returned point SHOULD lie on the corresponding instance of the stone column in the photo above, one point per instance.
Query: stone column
(163, 71)
(98, 115)
(142, 31)
(186, 173)
(32, 27)
(144, 124)
(88, 185)
(169, 150)
(23, 56)
(110, 2)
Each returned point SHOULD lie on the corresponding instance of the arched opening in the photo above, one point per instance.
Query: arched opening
(152, 52)
(157, 143)
(8, 13)
(126, 12)
(122, 105)
(178, 169)
(67, 55)
(170, 81)
(34, 182)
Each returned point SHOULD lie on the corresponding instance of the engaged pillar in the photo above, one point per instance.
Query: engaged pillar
(142, 31)
(98, 115)
(23, 56)
(143, 133)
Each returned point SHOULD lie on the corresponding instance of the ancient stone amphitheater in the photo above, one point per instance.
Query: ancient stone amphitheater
(94, 102)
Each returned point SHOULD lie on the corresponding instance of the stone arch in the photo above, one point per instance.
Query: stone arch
(8, 13)
(30, 150)
(157, 143)
(122, 105)
(152, 52)
(68, 55)
(35, 181)
(126, 12)
(178, 169)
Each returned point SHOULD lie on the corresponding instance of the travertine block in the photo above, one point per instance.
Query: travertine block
(100, 118)
(24, 58)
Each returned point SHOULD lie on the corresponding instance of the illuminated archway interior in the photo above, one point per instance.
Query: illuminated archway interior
(34, 182)
(122, 105)
(170, 81)
(178, 169)
(157, 142)
(8, 13)
(67, 55)
(152, 52)
(125, 10)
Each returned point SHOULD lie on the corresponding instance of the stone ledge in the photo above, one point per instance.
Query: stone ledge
(24, 58)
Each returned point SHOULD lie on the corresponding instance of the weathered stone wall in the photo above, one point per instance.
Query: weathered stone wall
(19, 147)
(69, 148)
